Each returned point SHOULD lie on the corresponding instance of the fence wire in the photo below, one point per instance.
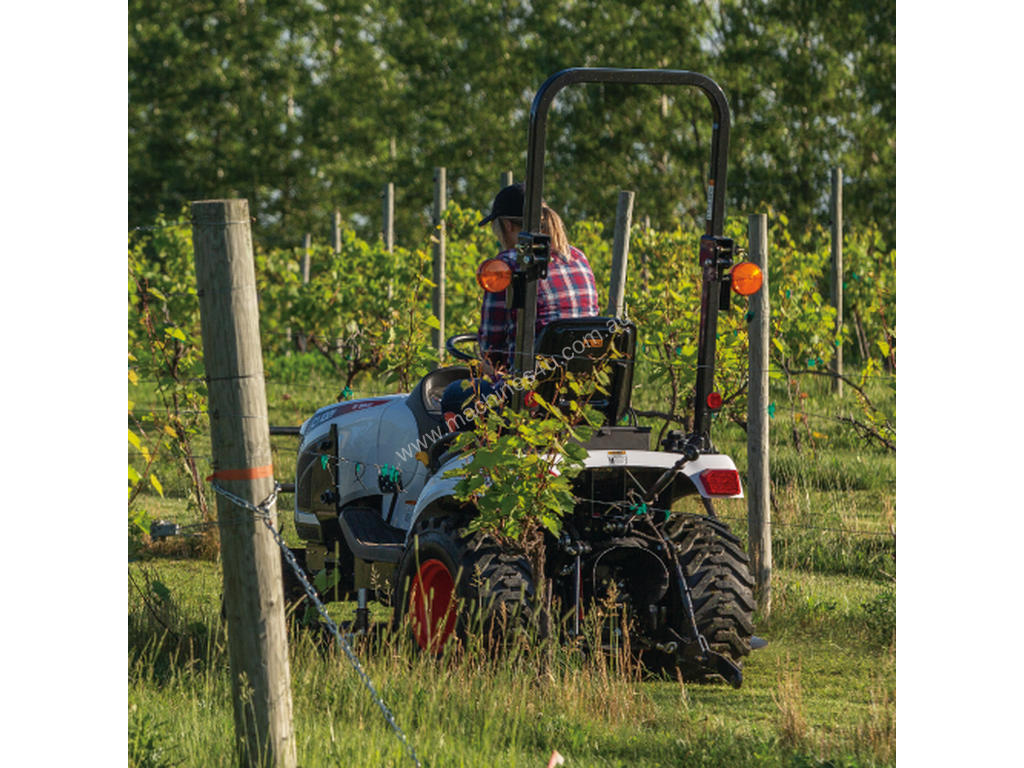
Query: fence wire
(262, 512)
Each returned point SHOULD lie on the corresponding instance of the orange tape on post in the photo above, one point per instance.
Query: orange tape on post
(251, 473)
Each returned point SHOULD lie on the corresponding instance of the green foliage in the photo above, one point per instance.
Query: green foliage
(144, 747)
(521, 463)
(812, 86)
(880, 616)
(468, 244)
(165, 368)
(803, 321)
(869, 297)
(364, 310)
(663, 299)
(664, 302)
(410, 354)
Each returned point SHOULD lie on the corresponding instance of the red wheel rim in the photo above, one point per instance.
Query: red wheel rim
(431, 605)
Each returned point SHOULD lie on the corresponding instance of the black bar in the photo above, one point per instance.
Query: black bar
(285, 430)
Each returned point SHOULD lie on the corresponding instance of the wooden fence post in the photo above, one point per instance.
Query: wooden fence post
(336, 239)
(620, 254)
(388, 217)
(837, 270)
(307, 246)
(506, 179)
(758, 478)
(240, 442)
(440, 204)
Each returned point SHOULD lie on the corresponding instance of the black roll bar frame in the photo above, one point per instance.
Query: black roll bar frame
(712, 268)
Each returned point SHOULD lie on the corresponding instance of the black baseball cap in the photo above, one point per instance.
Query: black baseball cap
(508, 202)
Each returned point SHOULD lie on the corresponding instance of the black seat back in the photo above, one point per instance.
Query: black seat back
(425, 399)
(575, 345)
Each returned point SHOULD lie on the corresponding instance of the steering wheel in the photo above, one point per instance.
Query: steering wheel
(462, 338)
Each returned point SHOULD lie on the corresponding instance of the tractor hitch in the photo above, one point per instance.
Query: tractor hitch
(700, 654)
(723, 666)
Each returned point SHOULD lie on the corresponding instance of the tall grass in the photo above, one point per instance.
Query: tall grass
(473, 707)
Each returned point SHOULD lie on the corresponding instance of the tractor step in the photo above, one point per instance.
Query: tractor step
(369, 537)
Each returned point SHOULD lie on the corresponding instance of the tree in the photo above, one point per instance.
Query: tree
(223, 102)
(304, 107)
(812, 86)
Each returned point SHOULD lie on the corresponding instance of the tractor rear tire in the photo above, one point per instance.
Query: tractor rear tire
(452, 583)
(717, 572)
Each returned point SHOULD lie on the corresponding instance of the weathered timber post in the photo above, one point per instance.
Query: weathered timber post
(307, 247)
(388, 217)
(240, 442)
(336, 239)
(440, 204)
(758, 480)
(837, 270)
(620, 254)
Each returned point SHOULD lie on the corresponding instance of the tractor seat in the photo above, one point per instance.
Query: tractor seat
(575, 344)
(425, 399)
(432, 386)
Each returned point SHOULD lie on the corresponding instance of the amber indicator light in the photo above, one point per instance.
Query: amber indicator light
(494, 275)
(746, 278)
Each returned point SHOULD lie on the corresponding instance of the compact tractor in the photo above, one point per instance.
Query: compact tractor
(384, 521)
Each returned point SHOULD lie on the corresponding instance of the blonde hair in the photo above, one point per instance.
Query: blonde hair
(550, 224)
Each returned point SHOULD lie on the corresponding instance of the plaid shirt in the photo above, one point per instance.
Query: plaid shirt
(568, 291)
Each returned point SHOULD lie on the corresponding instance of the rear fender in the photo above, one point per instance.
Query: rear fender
(665, 460)
(439, 488)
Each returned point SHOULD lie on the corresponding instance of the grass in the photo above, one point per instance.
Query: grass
(822, 693)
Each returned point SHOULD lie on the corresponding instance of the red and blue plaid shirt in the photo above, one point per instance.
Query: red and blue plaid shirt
(568, 291)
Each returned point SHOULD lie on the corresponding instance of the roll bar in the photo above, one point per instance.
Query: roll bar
(524, 358)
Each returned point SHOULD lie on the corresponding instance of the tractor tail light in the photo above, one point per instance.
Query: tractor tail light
(746, 278)
(714, 401)
(494, 275)
(721, 482)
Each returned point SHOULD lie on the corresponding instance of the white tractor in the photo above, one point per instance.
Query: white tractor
(374, 491)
